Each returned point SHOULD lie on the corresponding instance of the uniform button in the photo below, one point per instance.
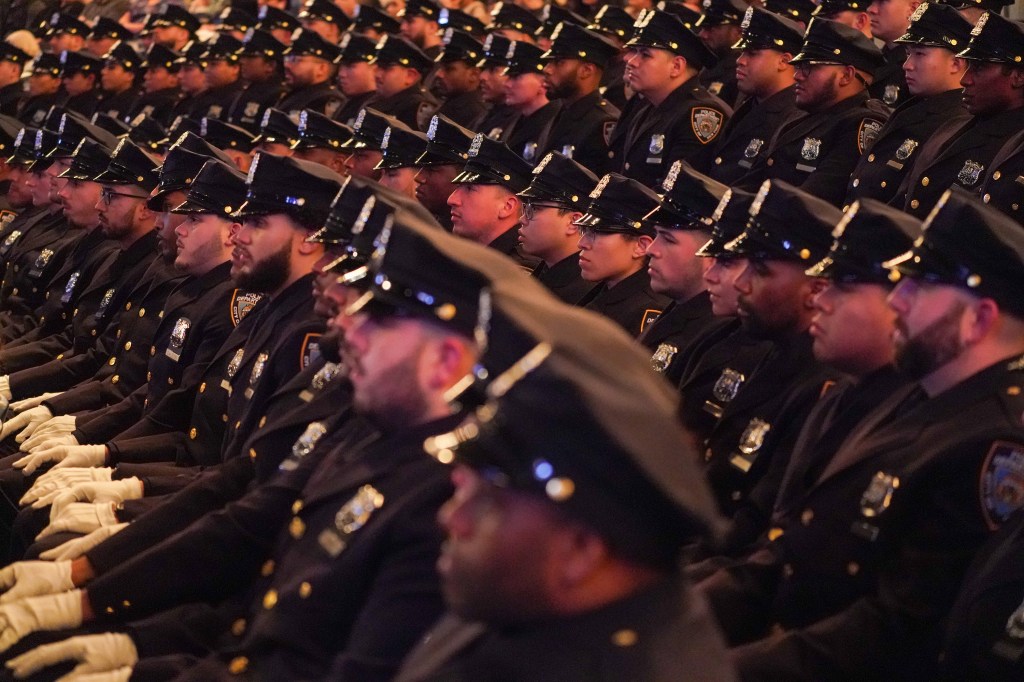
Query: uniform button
(997, 175)
(112, 361)
(202, 387)
(787, 570)
(925, 181)
(267, 568)
(296, 528)
(611, 155)
(114, 379)
(775, 533)
(305, 589)
(238, 424)
(853, 568)
(170, 381)
(149, 376)
(771, 162)
(882, 184)
(718, 161)
(263, 421)
(142, 312)
(624, 637)
(707, 455)
(238, 627)
(807, 516)
(127, 604)
(270, 599)
(856, 183)
(871, 158)
(252, 453)
(128, 345)
(1015, 207)
(1013, 390)
(296, 506)
(736, 495)
(128, 305)
(93, 332)
(224, 418)
(915, 203)
(192, 433)
(60, 356)
(238, 665)
(152, 351)
(627, 165)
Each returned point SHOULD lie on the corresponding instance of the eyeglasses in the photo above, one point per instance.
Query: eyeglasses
(530, 209)
(107, 195)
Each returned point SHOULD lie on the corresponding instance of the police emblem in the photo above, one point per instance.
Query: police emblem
(811, 149)
(252, 109)
(180, 331)
(305, 443)
(970, 173)
(568, 149)
(530, 151)
(352, 516)
(43, 258)
(906, 149)
(650, 317)
(891, 94)
(728, 385)
(474, 146)
(1002, 482)
(706, 123)
(716, 87)
(242, 303)
(753, 436)
(432, 130)
(6, 217)
(878, 496)
(663, 357)
(69, 288)
(657, 145)
(753, 148)
(867, 134)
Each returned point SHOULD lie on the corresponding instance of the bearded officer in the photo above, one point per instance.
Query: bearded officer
(310, 65)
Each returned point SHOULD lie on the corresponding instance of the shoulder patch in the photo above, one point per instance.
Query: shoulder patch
(241, 303)
(867, 134)
(1002, 482)
(310, 350)
(650, 317)
(706, 123)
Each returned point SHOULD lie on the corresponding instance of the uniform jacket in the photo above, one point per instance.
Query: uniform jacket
(684, 126)
(564, 279)
(10, 97)
(671, 636)
(212, 103)
(890, 82)
(720, 79)
(323, 98)
(247, 109)
(880, 172)
(1003, 186)
(526, 135)
(819, 151)
(582, 130)
(119, 104)
(413, 106)
(508, 243)
(465, 108)
(496, 121)
(33, 110)
(631, 303)
(349, 111)
(85, 104)
(674, 330)
(158, 105)
(748, 132)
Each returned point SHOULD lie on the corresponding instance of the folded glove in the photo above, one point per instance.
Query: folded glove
(22, 405)
(120, 675)
(110, 491)
(35, 614)
(25, 422)
(5, 387)
(81, 517)
(33, 578)
(72, 549)
(64, 455)
(61, 479)
(93, 653)
(55, 426)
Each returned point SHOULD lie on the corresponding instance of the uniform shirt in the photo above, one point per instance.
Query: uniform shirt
(880, 172)
(85, 103)
(582, 130)
(675, 329)
(818, 152)
(118, 105)
(631, 303)
(681, 127)
(748, 132)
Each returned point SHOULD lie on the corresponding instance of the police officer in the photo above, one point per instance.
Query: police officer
(853, 13)
(679, 118)
(322, 140)
(119, 90)
(936, 33)
(357, 75)
(576, 61)
(106, 33)
(960, 151)
(260, 59)
(363, 147)
(44, 90)
(12, 62)
(557, 197)
(374, 22)
(310, 65)
(719, 28)
(325, 18)
(401, 69)
(447, 151)
(235, 141)
(65, 31)
(616, 25)
(1000, 188)
(174, 27)
(458, 78)
(765, 79)
(278, 23)
(277, 133)
(526, 95)
(221, 69)
(160, 91)
(400, 147)
(889, 21)
(819, 151)
(513, 22)
(492, 87)
(419, 26)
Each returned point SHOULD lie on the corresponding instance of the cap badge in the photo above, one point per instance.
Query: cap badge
(266, 119)
(753, 148)
(673, 174)
(385, 140)
(449, 33)
(970, 173)
(303, 121)
(919, 12)
(840, 228)
(906, 149)
(364, 215)
(722, 203)
(359, 120)
(474, 148)
(762, 194)
(543, 163)
(511, 51)
(980, 26)
(432, 130)
(811, 148)
(600, 186)
(747, 17)
(252, 169)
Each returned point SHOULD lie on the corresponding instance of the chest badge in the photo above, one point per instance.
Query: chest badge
(906, 149)
(753, 148)
(657, 145)
(352, 516)
(751, 441)
(970, 173)
(69, 288)
(303, 445)
(811, 149)
(663, 357)
(891, 94)
(257, 372)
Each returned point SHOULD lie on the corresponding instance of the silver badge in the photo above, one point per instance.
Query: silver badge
(44, 257)
(179, 332)
(811, 148)
(728, 385)
(753, 147)
(663, 357)
(474, 148)
(878, 496)
(530, 151)
(753, 436)
(236, 362)
(303, 445)
(105, 301)
(657, 145)
(906, 149)
(325, 375)
(69, 288)
(352, 516)
(891, 94)
(11, 238)
(970, 173)
(257, 368)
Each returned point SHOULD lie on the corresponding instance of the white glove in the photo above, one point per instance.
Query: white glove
(112, 491)
(32, 578)
(93, 653)
(22, 405)
(61, 479)
(5, 387)
(120, 675)
(35, 614)
(72, 549)
(25, 422)
(60, 425)
(81, 517)
(64, 455)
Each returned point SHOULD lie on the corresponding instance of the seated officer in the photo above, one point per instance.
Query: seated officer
(357, 75)
(818, 152)
(160, 91)
(400, 147)
(682, 224)
(447, 150)
(321, 140)
(679, 118)
(401, 67)
(492, 87)
(719, 26)
(615, 232)
(935, 35)
(118, 76)
(363, 148)
(458, 78)
(277, 134)
(552, 569)
(80, 72)
(557, 197)
(526, 95)
(860, 577)
(260, 66)
(484, 205)
(310, 65)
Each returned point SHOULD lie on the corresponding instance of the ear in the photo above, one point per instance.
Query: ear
(784, 59)
(640, 246)
(580, 552)
(815, 287)
(572, 230)
(453, 359)
(509, 206)
(679, 65)
(983, 322)
(848, 75)
(304, 248)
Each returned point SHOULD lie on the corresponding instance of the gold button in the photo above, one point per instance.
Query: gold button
(915, 203)
(128, 305)
(296, 506)
(238, 665)
(925, 181)
(142, 312)
(170, 381)
(114, 379)
(882, 184)
(718, 161)
(853, 568)
(707, 455)
(238, 627)
(624, 637)
(807, 516)
(270, 599)
(224, 418)
(60, 356)
(202, 387)
(997, 175)
(149, 376)
(771, 162)
(238, 424)
(263, 421)
(775, 533)
(871, 158)
(128, 345)
(305, 589)
(787, 570)
(192, 433)
(112, 361)
(127, 604)
(1013, 390)
(152, 351)
(296, 528)
(252, 453)
(267, 568)
(987, 198)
